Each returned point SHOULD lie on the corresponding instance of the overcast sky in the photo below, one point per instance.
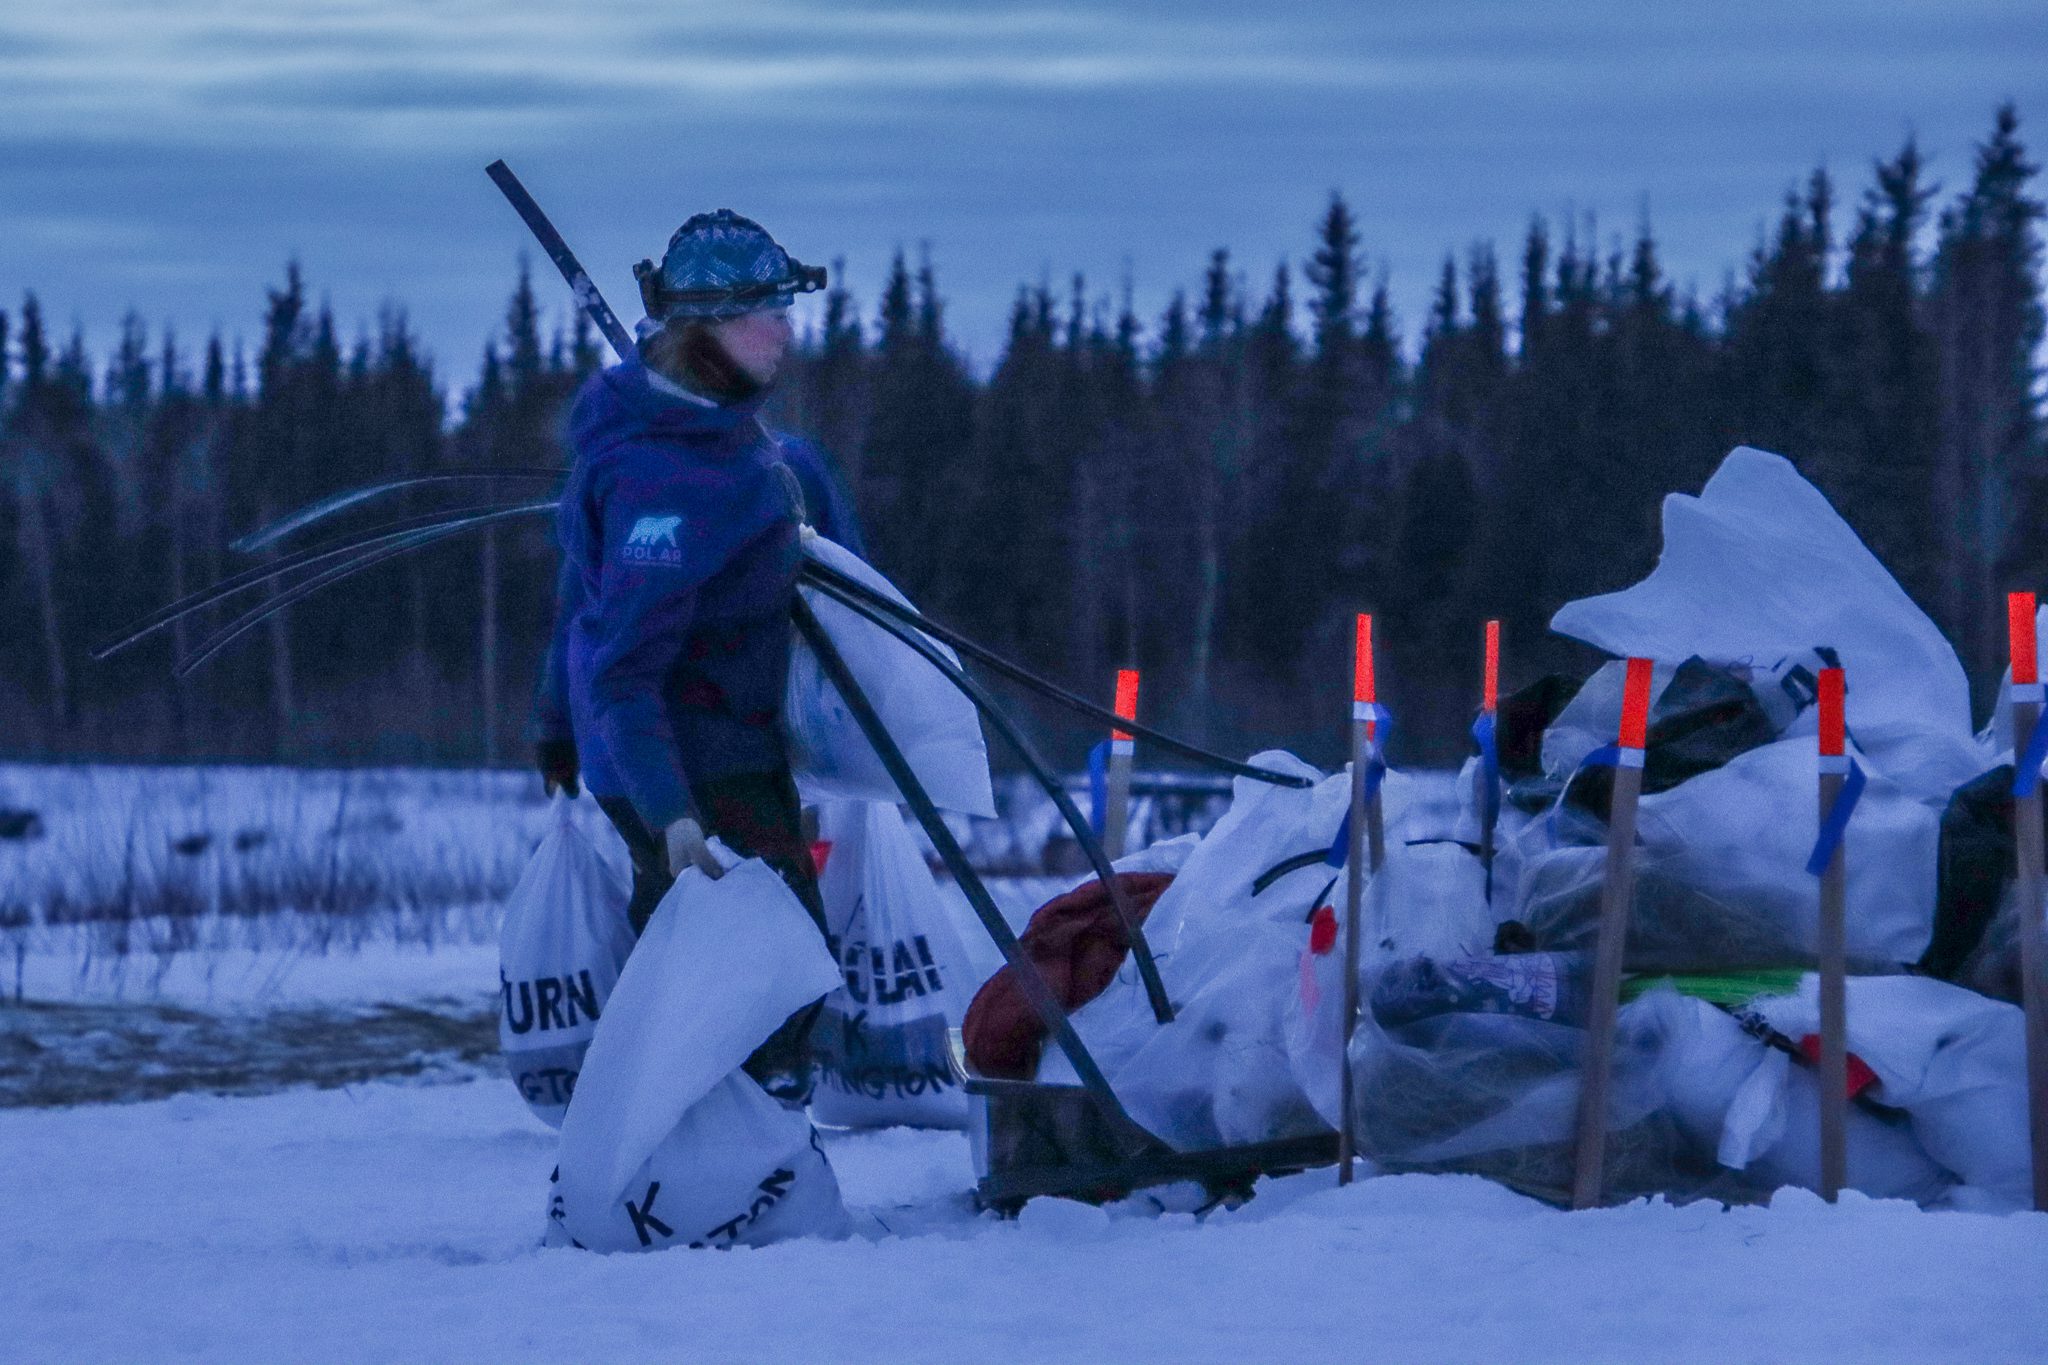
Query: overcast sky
(173, 156)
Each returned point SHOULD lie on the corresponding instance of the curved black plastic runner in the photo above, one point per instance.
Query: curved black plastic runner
(382, 534)
(1033, 983)
(250, 619)
(263, 537)
(821, 573)
(1084, 834)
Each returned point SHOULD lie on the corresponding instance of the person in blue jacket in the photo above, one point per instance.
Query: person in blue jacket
(680, 531)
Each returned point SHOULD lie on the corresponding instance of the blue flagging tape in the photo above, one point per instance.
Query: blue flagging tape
(2026, 774)
(1340, 847)
(1098, 786)
(1837, 824)
(1606, 756)
(1383, 728)
(1489, 768)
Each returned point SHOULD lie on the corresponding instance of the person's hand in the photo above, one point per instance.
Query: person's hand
(687, 848)
(556, 759)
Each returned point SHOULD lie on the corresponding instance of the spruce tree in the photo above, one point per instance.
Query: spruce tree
(1887, 384)
(1988, 327)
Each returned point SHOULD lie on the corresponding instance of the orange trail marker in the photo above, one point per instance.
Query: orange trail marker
(1490, 696)
(2020, 608)
(2026, 715)
(1617, 898)
(1363, 694)
(1365, 851)
(1116, 812)
(1834, 970)
(1486, 793)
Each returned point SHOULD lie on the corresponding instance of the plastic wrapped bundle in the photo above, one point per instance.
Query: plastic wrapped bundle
(1218, 1074)
(1757, 566)
(1700, 1107)
(1496, 1095)
(1673, 925)
(1722, 871)
(1229, 879)
(1952, 1062)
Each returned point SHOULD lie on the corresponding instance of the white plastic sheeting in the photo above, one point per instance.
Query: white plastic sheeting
(1759, 565)
(667, 1142)
(936, 725)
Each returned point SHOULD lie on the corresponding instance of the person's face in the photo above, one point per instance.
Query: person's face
(756, 341)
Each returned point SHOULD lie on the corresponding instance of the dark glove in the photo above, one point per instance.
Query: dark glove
(556, 759)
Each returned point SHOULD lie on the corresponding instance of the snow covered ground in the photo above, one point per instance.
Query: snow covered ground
(401, 1222)
(396, 1214)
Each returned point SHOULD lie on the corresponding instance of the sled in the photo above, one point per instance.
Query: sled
(1029, 1138)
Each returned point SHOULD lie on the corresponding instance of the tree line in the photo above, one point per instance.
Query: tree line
(1209, 495)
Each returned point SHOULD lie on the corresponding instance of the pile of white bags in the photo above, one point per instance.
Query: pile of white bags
(883, 1041)
(1758, 575)
(936, 726)
(1701, 1104)
(1758, 566)
(1953, 1061)
(560, 947)
(668, 1143)
(1230, 938)
(1722, 870)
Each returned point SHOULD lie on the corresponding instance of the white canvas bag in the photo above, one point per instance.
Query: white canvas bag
(667, 1143)
(935, 725)
(883, 1040)
(560, 947)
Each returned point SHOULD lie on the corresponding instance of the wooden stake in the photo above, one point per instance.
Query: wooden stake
(1617, 897)
(2026, 714)
(1116, 813)
(1367, 840)
(1490, 705)
(1834, 967)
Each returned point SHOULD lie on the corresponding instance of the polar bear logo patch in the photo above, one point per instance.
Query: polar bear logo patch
(652, 531)
(652, 541)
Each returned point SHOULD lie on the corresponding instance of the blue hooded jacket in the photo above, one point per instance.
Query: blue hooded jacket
(678, 530)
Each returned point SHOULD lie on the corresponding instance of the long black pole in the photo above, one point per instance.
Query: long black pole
(1084, 835)
(1036, 989)
(587, 297)
(824, 573)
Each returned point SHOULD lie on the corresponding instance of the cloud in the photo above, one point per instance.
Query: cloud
(172, 156)
(404, 90)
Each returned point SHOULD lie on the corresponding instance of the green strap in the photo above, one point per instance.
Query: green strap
(1731, 990)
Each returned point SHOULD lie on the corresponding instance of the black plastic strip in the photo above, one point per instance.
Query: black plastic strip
(241, 582)
(1287, 867)
(266, 536)
(1035, 987)
(1084, 834)
(824, 573)
(255, 616)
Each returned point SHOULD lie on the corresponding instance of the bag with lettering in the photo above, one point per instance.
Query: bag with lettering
(882, 1042)
(667, 1142)
(936, 726)
(564, 937)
